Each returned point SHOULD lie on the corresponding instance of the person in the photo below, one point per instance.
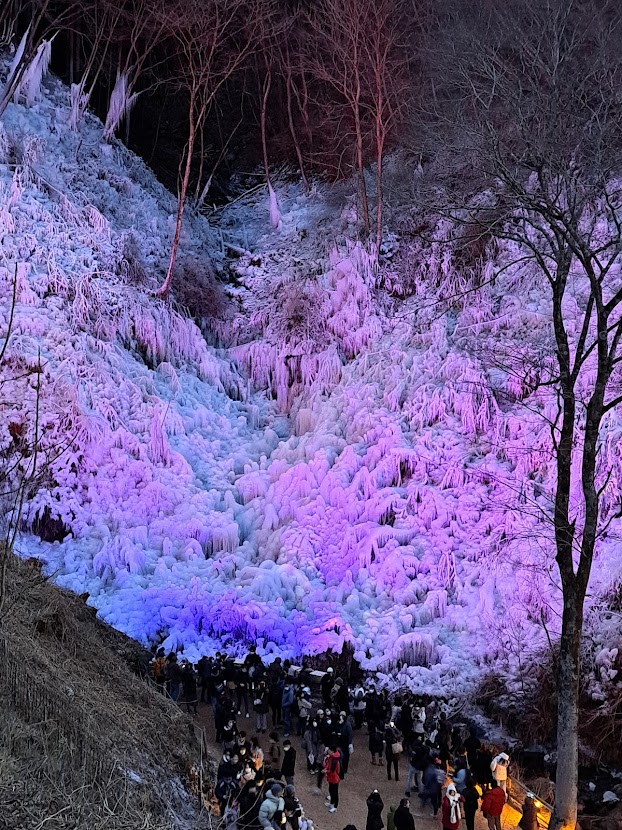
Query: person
(274, 751)
(344, 742)
(288, 764)
(242, 685)
(417, 755)
(159, 674)
(225, 791)
(358, 706)
(326, 685)
(275, 695)
(204, 670)
(304, 710)
(256, 753)
(189, 687)
(403, 818)
(471, 803)
(529, 819)
(393, 749)
(461, 776)
(419, 718)
(451, 812)
(472, 745)
(499, 768)
(287, 701)
(493, 803)
(261, 706)
(313, 746)
(433, 779)
(172, 673)
(483, 774)
(375, 806)
(249, 801)
(293, 808)
(332, 767)
(376, 742)
(272, 803)
(229, 734)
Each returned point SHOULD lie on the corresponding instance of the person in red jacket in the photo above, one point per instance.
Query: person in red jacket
(493, 803)
(450, 808)
(332, 767)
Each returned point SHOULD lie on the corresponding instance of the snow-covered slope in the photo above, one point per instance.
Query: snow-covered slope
(353, 462)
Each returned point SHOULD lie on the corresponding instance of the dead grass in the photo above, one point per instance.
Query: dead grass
(85, 742)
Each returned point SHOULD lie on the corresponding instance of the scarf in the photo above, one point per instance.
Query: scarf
(454, 805)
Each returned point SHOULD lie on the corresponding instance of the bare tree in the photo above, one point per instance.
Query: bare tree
(359, 52)
(213, 38)
(527, 96)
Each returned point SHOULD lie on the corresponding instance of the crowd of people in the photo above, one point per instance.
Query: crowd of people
(446, 766)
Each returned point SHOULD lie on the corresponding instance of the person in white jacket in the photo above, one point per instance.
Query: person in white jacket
(499, 767)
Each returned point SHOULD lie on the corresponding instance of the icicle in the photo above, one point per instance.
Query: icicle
(121, 103)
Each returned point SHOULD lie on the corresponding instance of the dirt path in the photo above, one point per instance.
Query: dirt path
(361, 779)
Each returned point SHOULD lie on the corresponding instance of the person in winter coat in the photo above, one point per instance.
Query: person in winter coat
(287, 701)
(393, 740)
(344, 742)
(493, 803)
(293, 808)
(461, 776)
(529, 819)
(288, 764)
(229, 735)
(451, 808)
(471, 803)
(272, 803)
(313, 746)
(403, 818)
(261, 705)
(326, 686)
(172, 673)
(274, 751)
(375, 806)
(417, 758)
(358, 706)
(190, 693)
(256, 754)
(472, 745)
(499, 768)
(225, 791)
(248, 802)
(433, 780)
(332, 767)
(481, 769)
(304, 710)
(376, 742)
(419, 718)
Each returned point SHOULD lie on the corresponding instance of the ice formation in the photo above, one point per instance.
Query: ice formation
(350, 461)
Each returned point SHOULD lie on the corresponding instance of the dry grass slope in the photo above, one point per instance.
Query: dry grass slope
(84, 741)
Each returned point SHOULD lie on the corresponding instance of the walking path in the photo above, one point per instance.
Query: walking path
(362, 778)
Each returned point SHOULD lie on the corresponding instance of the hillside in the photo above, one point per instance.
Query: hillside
(85, 740)
(328, 453)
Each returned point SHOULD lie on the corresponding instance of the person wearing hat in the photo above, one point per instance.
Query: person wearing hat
(272, 803)
(529, 819)
(499, 768)
(452, 812)
(375, 806)
(304, 710)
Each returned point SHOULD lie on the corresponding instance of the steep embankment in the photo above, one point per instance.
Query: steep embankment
(385, 485)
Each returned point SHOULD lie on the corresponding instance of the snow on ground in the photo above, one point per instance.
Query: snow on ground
(349, 461)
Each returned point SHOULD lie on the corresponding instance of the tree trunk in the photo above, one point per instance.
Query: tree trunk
(292, 128)
(166, 285)
(360, 164)
(565, 812)
(263, 122)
